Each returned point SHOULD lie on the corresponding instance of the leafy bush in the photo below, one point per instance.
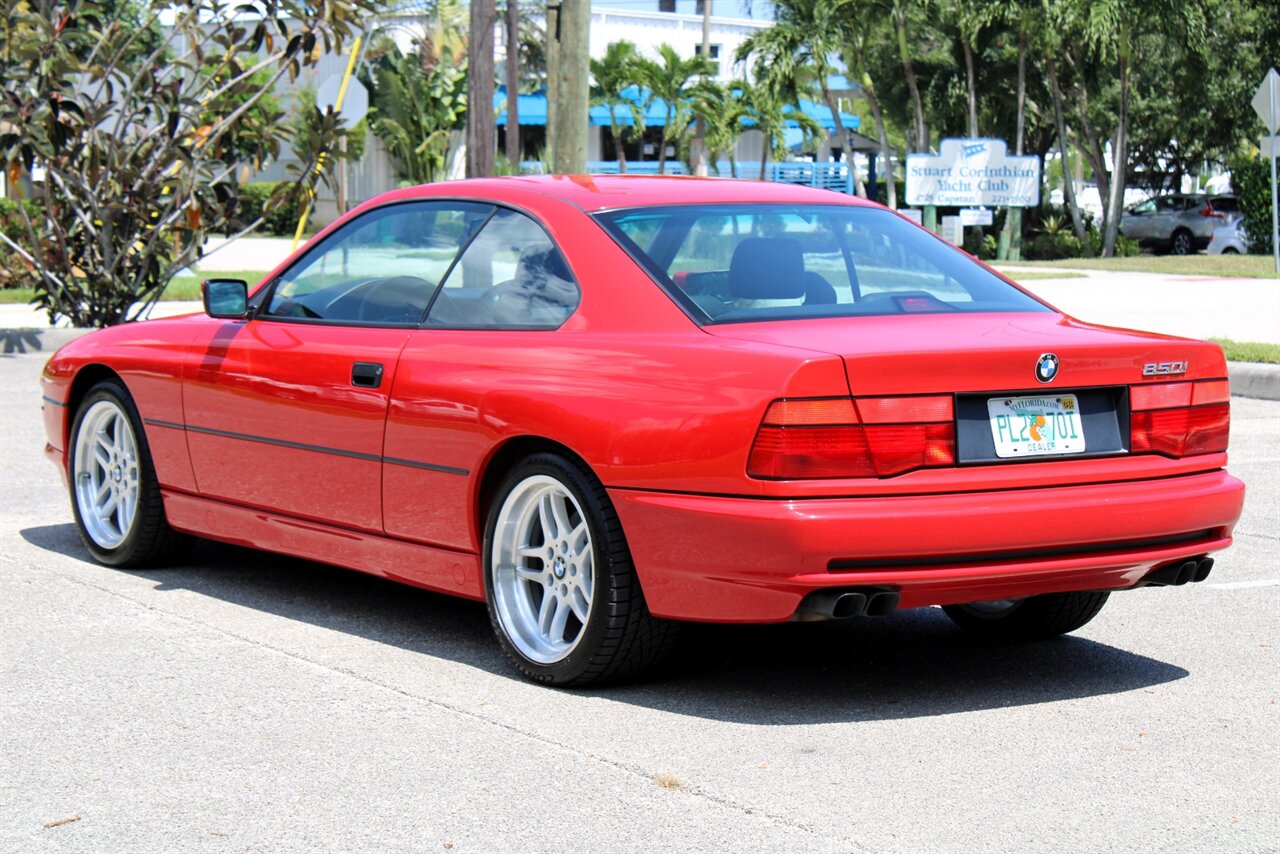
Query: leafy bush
(140, 152)
(1250, 179)
(274, 199)
(979, 244)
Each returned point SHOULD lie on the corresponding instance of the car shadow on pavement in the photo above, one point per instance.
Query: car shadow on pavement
(914, 664)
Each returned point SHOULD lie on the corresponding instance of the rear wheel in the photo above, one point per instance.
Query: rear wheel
(1181, 243)
(562, 592)
(1034, 618)
(114, 492)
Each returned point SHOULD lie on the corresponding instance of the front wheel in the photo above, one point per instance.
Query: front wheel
(114, 492)
(1034, 618)
(562, 592)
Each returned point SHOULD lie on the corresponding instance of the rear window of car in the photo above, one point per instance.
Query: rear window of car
(746, 263)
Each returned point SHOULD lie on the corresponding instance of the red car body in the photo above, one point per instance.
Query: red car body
(259, 438)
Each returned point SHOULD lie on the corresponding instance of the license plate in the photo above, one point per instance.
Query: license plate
(1036, 426)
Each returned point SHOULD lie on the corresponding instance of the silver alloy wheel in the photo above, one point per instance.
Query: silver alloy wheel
(543, 569)
(105, 473)
(1182, 243)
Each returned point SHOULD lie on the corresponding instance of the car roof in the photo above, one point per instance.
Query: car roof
(605, 192)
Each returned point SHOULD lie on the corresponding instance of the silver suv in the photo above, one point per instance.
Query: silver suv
(1180, 223)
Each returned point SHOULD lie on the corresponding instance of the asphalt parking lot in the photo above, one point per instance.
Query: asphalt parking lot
(246, 702)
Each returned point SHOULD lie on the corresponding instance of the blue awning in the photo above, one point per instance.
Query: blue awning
(533, 111)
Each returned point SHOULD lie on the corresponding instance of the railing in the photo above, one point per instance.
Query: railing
(828, 176)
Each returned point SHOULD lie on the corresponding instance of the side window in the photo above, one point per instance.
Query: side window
(380, 268)
(510, 276)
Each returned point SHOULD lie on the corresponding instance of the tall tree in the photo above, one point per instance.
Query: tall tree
(724, 112)
(481, 129)
(669, 81)
(865, 25)
(614, 74)
(805, 37)
(513, 83)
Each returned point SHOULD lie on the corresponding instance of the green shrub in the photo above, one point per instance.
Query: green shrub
(1251, 179)
(282, 216)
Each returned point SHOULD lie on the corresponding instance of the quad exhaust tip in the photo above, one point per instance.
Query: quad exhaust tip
(1179, 573)
(846, 604)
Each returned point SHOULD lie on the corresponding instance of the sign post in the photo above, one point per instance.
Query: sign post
(1266, 102)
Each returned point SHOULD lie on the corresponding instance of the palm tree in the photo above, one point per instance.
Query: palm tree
(668, 80)
(865, 27)
(723, 111)
(614, 73)
(772, 112)
(800, 44)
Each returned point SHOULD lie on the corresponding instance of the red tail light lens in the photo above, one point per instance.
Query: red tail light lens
(834, 437)
(1180, 419)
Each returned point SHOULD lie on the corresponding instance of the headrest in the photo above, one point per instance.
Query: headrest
(767, 268)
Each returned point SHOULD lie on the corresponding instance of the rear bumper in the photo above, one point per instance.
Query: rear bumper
(724, 559)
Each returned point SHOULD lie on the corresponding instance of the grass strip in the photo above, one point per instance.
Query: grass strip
(1230, 266)
(1249, 351)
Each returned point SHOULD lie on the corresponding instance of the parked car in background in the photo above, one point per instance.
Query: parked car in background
(1181, 223)
(1229, 236)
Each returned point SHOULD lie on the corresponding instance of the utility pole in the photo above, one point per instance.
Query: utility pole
(572, 93)
(513, 84)
(481, 128)
(699, 144)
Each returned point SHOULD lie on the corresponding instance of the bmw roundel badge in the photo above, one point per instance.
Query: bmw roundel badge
(1047, 367)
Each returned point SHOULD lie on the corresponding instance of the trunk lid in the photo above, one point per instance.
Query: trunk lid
(946, 353)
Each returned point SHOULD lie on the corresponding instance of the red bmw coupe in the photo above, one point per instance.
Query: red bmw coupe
(604, 405)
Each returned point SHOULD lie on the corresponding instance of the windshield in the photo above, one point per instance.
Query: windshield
(752, 262)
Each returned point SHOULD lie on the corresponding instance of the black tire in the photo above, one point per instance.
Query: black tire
(1182, 243)
(148, 540)
(1230, 250)
(619, 640)
(1034, 618)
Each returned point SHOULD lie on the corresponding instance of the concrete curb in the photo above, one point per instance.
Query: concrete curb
(1248, 379)
(1254, 379)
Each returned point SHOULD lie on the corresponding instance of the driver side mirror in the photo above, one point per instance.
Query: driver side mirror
(225, 298)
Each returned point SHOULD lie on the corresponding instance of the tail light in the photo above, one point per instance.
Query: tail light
(1180, 419)
(844, 437)
(1208, 210)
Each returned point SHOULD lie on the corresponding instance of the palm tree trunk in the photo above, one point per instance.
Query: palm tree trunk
(1010, 244)
(764, 155)
(617, 147)
(1119, 150)
(662, 144)
(920, 143)
(971, 76)
(845, 142)
(869, 88)
(1068, 184)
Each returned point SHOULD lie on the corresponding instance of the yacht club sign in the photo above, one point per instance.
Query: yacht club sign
(972, 173)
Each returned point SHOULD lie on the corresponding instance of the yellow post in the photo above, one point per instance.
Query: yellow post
(320, 161)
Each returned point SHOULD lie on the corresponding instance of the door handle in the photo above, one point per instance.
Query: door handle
(366, 374)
